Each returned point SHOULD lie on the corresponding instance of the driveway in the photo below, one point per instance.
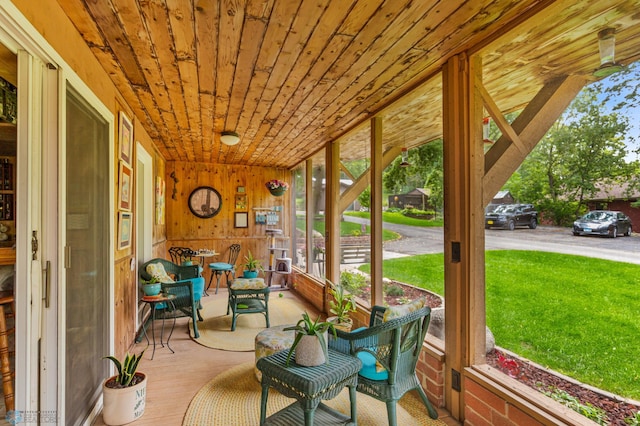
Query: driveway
(420, 240)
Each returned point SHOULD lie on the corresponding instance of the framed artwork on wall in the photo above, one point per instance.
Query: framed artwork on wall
(241, 220)
(125, 138)
(124, 190)
(241, 201)
(124, 230)
(160, 194)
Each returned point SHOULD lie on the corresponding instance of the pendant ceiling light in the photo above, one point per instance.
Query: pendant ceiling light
(607, 47)
(229, 138)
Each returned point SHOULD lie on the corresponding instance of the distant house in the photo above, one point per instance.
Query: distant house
(617, 197)
(418, 199)
(502, 197)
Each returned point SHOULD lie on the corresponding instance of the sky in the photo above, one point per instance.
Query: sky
(631, 112)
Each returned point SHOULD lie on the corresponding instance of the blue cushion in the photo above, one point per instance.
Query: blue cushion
(369, 369)
(220, 266)
(198, 288)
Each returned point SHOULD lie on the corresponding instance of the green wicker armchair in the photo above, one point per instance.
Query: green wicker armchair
(389, 352)
(188, 288)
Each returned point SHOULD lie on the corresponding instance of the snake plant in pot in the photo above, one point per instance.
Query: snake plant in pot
(310, 343)
(124, 395)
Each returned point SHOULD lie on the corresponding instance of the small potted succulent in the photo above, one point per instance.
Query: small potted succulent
(252, 266)
(340, 304)
(151, 287)
(124, 395)
(310, 344)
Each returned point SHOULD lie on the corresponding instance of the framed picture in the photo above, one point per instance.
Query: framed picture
(124, 230)
(160, 194)
(125, 183)
(241, 220)
(241, 201)
(125, 138)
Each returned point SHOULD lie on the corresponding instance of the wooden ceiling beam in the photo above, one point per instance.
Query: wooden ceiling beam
(536, 119)
(360, 184)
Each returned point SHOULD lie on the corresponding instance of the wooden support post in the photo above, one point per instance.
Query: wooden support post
(376, 211)
(463, 227)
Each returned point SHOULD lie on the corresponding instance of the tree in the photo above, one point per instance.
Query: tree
(584, 148)
(424, 171)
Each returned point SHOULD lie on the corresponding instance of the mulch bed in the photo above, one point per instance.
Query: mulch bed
(544, 381)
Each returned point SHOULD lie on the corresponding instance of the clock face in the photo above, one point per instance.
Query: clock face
(205, 202)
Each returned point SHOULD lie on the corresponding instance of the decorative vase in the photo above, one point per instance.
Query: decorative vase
(309, 352)
(124, 405)
(250, 274)
(277, 191)
(151, 289)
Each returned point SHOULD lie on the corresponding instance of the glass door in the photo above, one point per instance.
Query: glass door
(87, 283)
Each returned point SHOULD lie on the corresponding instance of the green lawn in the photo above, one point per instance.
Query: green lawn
(349, 229)
(576, 315)
(399, 219)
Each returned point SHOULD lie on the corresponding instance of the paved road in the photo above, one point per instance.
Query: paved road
(419, 240)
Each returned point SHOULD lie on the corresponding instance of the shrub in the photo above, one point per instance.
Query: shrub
(352, 282)
(393, 290)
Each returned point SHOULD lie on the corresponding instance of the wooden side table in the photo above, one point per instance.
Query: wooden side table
(309, 385)
(153, 301)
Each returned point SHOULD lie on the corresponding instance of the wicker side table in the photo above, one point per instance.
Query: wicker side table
(309, 385)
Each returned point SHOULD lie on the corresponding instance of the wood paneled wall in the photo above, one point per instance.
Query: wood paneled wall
(218, 233)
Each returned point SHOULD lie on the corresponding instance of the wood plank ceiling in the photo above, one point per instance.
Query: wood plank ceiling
(292, 75)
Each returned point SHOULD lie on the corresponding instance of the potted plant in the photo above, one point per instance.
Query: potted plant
(310, 343)
(340, 305)
(252, 266)
(124, 395)
(151, 287)
(277, 187)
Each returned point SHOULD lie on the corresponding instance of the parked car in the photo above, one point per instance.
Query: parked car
(511, 215)
(603, 222)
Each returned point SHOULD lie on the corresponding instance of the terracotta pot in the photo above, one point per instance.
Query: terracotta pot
(124, 405)
(309, 351)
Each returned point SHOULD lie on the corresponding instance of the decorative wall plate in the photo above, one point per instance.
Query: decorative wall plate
(205, 202)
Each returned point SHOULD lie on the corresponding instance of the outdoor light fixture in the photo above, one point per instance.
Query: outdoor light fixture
(229, 138)
(486, 125)
(607, 46)
(405, 158)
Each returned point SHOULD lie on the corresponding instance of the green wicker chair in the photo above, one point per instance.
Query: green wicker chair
(188, 288)
(389, 352)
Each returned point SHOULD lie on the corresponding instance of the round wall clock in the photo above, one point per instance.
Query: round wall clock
(205, 202)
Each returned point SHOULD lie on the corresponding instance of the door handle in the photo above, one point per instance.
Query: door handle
(47, 284)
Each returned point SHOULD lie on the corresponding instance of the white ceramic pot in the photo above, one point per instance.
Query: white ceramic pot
(122, 406)
(309, 351)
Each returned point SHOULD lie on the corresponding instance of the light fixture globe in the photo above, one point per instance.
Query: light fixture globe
(229, 138)
(607, 49)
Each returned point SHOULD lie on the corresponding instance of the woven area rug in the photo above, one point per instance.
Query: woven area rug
(215, 330)
(233, 398)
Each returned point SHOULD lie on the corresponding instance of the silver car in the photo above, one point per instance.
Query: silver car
(603, 222)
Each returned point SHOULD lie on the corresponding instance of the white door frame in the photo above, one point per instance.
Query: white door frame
(145, 210)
